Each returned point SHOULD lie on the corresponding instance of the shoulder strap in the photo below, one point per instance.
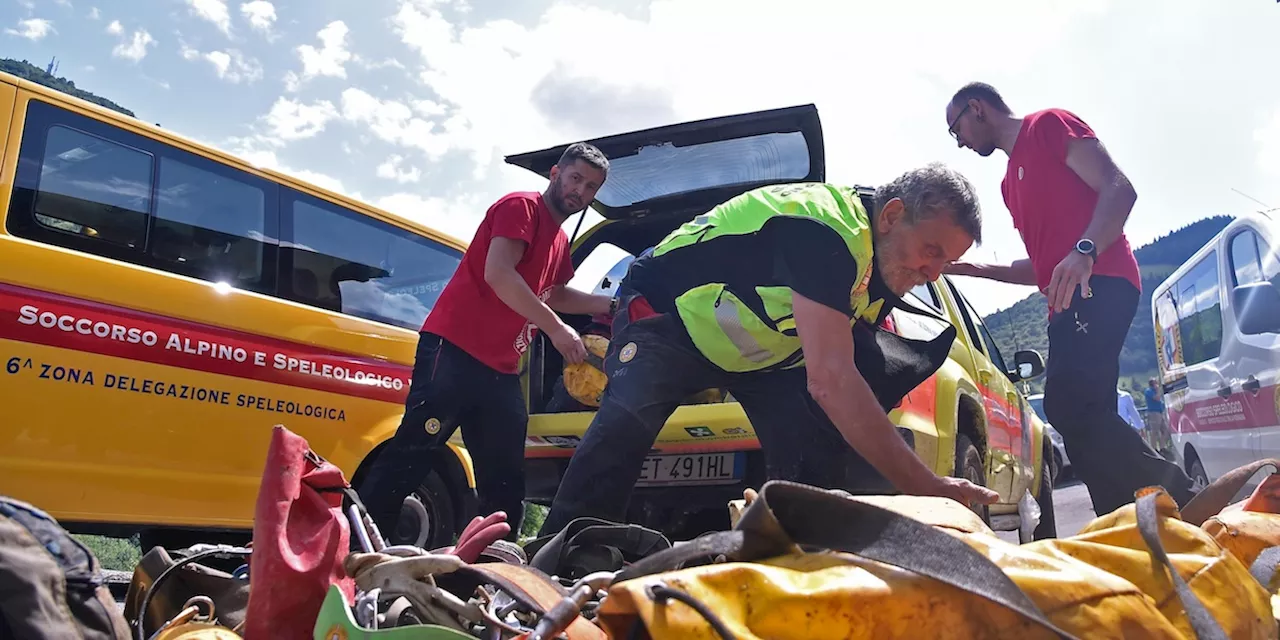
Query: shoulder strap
(549, 553)
(1202, 622)
(787, 514)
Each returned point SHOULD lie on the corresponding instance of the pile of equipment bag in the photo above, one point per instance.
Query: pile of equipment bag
(798, 562)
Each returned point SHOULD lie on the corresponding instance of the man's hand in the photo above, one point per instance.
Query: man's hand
(960, 490)
(1072, 272)
(568, 343)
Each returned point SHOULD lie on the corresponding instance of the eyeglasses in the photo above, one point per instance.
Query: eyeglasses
(952, 128)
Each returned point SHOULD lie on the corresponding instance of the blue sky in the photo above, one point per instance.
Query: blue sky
(411, 104)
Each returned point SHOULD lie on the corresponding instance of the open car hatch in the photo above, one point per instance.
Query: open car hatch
(699, 163)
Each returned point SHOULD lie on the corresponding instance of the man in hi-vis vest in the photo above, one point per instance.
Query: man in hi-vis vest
(776, 295)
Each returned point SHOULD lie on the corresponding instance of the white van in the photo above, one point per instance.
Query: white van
(1217, 326)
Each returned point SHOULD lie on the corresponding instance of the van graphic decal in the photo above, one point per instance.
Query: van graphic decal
(38, 317)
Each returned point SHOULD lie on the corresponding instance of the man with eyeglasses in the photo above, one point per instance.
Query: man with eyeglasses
(1069, 202)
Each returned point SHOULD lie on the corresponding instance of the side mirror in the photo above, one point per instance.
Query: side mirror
(1257, 308)
(1026, 365)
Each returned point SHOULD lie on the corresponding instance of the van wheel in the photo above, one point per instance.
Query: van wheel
(427, 516)
(1048, 527)
(969, 467)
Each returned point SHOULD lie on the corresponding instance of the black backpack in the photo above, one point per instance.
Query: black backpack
(51, 585)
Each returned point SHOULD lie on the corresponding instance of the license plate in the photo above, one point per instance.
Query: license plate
(697, 468)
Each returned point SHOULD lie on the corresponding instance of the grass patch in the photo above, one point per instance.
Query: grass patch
(534, 516)
(116, 554)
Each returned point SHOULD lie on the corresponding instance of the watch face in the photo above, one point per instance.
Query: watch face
(1085, 246)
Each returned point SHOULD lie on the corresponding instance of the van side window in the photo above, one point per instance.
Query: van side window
(210, 223)
(342, 261)
(1198, 300)
(1246, 262)
(85, 187)
(993, 352)
(85, 184)
(964, 313)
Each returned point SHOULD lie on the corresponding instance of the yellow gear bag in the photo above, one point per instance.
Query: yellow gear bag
(1250, 529)
(802, 562)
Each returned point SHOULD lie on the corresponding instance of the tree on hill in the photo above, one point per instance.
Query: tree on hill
(1025, 324)
(28, 71)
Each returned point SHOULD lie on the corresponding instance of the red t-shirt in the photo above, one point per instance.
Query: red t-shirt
(1051, 205)
(470, 315)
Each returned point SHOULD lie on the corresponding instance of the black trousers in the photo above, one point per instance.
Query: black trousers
(1108, 455)
(451, 388)
(662, 367)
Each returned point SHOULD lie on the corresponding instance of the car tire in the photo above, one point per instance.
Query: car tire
(1195, 469)
(1048, 527)
(969, 466)
(432, 505)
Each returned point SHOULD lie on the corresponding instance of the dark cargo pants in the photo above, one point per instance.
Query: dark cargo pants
(1107, 454)
(652, 366)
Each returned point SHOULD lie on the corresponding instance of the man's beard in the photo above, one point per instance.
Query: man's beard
(558, 200)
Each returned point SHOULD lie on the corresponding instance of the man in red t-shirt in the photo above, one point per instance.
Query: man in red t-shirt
(509, 285)
(1070, 201)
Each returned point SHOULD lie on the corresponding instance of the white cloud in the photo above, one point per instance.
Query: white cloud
(64, 3)
(115, 28)
(135, 47)
(229, 65)
(290, 120)
(33, 29)
(215, 11)
(260, 14)
(391, 170)
(1268, 139)
(330, 58)
(94, 14)
(394, 122)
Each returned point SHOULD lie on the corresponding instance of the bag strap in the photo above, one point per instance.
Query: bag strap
(549, 553)
(1202, 622)
(787, 514)
(1264, 566)
(1213, 498)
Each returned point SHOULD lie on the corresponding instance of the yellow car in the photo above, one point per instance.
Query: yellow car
(967, 420)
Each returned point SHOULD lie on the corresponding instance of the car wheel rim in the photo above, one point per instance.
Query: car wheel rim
(414, 526)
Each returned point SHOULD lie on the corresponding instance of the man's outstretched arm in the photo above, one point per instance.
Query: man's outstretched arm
(842, 392)
(1020, 272)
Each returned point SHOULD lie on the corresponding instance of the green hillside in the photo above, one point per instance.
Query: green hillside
(28, 71)
(1023, 326)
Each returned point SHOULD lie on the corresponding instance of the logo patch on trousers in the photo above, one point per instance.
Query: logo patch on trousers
(433, 426)
(628, 352)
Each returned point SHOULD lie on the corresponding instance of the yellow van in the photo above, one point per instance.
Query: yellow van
(163, 304)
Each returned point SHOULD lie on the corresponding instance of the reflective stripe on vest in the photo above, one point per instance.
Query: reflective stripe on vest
(727, 318)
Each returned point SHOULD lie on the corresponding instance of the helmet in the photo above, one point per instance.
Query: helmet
(584, 381)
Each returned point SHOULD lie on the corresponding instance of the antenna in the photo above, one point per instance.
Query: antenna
(1251, 197)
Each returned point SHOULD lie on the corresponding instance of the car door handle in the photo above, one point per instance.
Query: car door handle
(1251, 385)
(1224, 392)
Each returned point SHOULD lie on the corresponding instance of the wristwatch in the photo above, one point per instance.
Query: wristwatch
(613, 306)
(1086, 246)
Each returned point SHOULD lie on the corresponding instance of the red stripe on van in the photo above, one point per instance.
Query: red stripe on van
(1242, 410)
(40, 317)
